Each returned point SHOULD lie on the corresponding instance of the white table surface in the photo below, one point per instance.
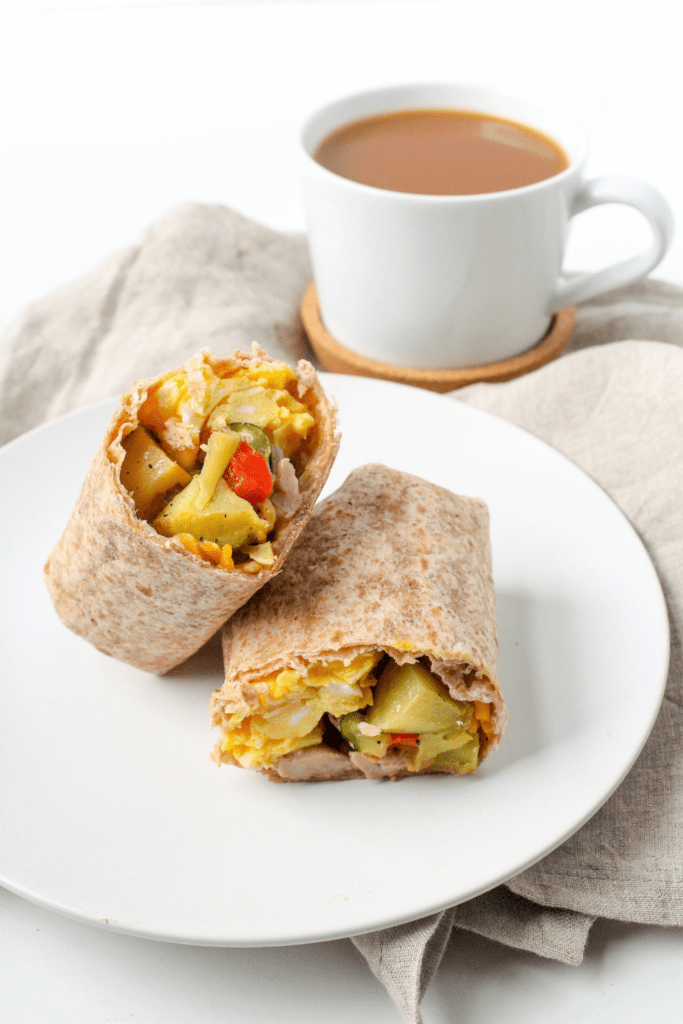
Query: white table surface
(114, 112)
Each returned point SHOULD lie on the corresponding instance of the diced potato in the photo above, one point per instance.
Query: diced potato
(148, 473)
(410, 699)
(461, 760)
(226, 519)
(432, 745)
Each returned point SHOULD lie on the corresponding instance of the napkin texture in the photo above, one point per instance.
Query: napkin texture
(206, 276)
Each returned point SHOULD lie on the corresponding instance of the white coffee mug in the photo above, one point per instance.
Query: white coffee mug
(432, 281)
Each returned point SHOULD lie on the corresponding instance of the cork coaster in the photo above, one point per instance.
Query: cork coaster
(338, 359)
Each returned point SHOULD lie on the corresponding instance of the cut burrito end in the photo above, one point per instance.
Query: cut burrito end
(390, 717)
(217, 456)
(385, 624)
(203, 482)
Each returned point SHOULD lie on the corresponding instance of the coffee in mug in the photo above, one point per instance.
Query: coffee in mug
(420, 263)
(440, 152)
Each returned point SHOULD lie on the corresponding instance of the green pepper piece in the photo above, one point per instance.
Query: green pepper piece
(376, 746)
(254, 436)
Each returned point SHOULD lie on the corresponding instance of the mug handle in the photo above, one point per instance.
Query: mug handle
(654, 207)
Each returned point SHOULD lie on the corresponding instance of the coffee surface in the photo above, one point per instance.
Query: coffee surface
(441, 152)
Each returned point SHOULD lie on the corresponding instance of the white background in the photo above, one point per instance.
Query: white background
(111, 113)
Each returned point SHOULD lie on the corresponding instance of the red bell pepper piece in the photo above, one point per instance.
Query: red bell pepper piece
(248, 475)
(403, 739)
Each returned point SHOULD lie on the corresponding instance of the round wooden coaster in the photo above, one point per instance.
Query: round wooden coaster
(338, 359)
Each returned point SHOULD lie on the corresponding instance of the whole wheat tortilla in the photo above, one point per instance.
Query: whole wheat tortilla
(139, 596)
(389, 562)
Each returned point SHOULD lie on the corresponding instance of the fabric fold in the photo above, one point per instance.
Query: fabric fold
(505, 917)
(405, 958)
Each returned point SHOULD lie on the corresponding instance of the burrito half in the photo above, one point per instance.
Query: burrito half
(373, 653)
(204, 480)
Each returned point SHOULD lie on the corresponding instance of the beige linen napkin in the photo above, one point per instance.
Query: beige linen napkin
(203, 275)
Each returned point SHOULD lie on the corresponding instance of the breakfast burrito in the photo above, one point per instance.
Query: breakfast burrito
(373, 653)
(204, 480)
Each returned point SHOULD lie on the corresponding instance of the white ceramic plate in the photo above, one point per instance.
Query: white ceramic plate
(113, 813)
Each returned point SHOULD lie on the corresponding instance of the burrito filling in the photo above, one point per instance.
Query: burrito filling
(370, 706)
(215, 460)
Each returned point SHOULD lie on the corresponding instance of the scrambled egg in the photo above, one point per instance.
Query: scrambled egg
(293, 706)
(177, 408)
